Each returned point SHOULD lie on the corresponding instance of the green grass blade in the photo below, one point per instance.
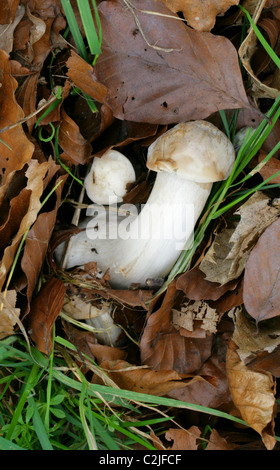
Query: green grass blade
(5, 444)
(39, 426)
(70, 16)
(89, 27)
(261, 38)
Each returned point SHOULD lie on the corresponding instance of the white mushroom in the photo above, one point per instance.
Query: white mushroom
(188, 159)
(108, 178)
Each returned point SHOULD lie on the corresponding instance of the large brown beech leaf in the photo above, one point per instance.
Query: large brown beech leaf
(262, 276)
(160, 71)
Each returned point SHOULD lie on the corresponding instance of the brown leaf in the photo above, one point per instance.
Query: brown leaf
(253, 394)
(246, 51)
(143, 380)
(162, 347)
(196, 287)
(7, 31)
(43, 312)
(87, 344)
(8, 10)
(76, 148)
(226, 258)
(9, 314)
(21, 149)
(36, 244)
(270, 168)
(35, 175)
(201, 14)
(216, 442)
(164, 78)
(183, 439)
(82, 74)
(261, 278)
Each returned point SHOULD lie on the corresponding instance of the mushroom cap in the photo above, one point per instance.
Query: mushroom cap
(109, 175)
(195, 150)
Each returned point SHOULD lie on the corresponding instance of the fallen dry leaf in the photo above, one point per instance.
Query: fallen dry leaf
(9, 314)
(216, 442)
(226, 258)
(44, 310)
(8, 10)
(261, 277)
(201, 14)
(252, 339)
(184, 439)
(7, 31)
(77, 149)
(20, 149)
(35, 175)
(197, 287)
(253, 393)
(82, 74)
(164, 78)
(143, 380)
(163, 348)
(246, 51)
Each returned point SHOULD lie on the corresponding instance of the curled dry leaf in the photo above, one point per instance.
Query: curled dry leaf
(261, 278)
(253, 394)
(82, 74)
(143, 380)
(7, 31)
(163, 348)
(77, 149)
(252, 339)
(15, 148)
(226, 258)
(246, 51)
(35, 175)
(9, 314)
(164, 78)
(201, 14)
(44, 310)
(216, 442)
(184, 439)
(8, 10)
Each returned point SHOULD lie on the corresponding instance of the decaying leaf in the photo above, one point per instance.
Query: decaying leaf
(262, 276)
(184, 439)
(7, 31)
(253, 394)
(201, 14)
(15, 147)
(44, 310)
(163, 348)
(246, 51)
(143, 380)
(226, 258)
(251, 338)
(164, 78)
(197, 312)
(9, 314)
(216, 442)
(35, 175)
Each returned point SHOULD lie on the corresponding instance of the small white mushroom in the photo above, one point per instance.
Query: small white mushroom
(108, 178)
(188, 159)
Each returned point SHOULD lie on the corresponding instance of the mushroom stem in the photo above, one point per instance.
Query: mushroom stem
(188, 159)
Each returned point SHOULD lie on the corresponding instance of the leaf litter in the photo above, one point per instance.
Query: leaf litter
(212, 338)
